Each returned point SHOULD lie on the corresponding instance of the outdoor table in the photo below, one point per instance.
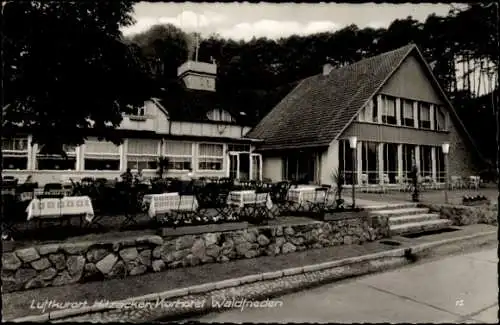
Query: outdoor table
(165, 203)
(246, 198)
(301, 196)
(55, 208)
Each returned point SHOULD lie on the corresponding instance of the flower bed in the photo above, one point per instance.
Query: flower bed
(462, 215)
(61, 264)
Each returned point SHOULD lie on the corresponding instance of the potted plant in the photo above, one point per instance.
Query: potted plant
(338, 179)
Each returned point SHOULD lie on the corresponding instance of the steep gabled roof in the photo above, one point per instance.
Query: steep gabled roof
(321, 107)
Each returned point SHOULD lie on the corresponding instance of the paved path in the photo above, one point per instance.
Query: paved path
(461, 288)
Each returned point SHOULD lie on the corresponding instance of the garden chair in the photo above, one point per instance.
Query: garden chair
(473, 182)
(455, 182)
(279, 195)
(385, 182)
(257, 211)
(364, 183)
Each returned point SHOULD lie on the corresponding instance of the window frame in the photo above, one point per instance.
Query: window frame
(385, 100)
(421, 106)
(172, 157)
(220, 115)
(201, 157)
(14, 153)
(403, 115)
(70, 152)
(110, 156)
(138, 157)
(439, 110)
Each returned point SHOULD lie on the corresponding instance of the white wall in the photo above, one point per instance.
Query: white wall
(329, 162)
(272, 168)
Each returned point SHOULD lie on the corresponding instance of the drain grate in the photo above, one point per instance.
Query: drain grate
(390, 242)
(430, 232)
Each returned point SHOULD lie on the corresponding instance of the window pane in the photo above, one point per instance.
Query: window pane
(53, 163)
(391, 161)
(143, 146)
(210, 163)
(144, 162)
(408, 109)
(206, 149)
(238, 147)
(15, 144)
(425, 112)
(179, 148)
(179, 163)
(13, 162)
(101, 164)
(92, 146)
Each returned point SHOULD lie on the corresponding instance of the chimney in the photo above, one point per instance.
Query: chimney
(327, 68)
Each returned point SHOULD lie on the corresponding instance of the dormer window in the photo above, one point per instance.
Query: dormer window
(219, 115)
(139, 111)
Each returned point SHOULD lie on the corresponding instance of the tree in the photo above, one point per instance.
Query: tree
(165, 47)
(67, 71)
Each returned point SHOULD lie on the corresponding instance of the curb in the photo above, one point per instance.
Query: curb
(376, 262)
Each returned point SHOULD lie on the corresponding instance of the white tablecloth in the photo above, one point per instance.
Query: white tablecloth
(163, 203)
(303, 194)
(53, 208)
(241, 198)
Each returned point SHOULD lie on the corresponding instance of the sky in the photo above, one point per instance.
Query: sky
(246, 20)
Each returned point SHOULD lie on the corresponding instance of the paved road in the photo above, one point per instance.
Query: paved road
(461, 288)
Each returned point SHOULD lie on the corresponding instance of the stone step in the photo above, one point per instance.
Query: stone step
(390, 206)
(413, 218)
(416, 227)
(400, 212)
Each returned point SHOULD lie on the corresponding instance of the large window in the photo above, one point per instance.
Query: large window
(345, 161)
(389, 110)
(407, 116)
(101, 155)
(440, 172)
(15, 153)
(425, 161)
(425, 116)
(390, 152)
(142, 153)
(179, 154)
(210, 156)
(408, 159)
(369, 161)
(439, 118)
(48, 161)
(300, 167)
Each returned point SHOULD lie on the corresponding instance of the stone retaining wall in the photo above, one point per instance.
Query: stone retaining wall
(462, 215)
(61, 264)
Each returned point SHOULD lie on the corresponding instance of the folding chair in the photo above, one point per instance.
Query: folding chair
(131, 202)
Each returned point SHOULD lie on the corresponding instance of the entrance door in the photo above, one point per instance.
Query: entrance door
(244, 167)
(234, 165)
